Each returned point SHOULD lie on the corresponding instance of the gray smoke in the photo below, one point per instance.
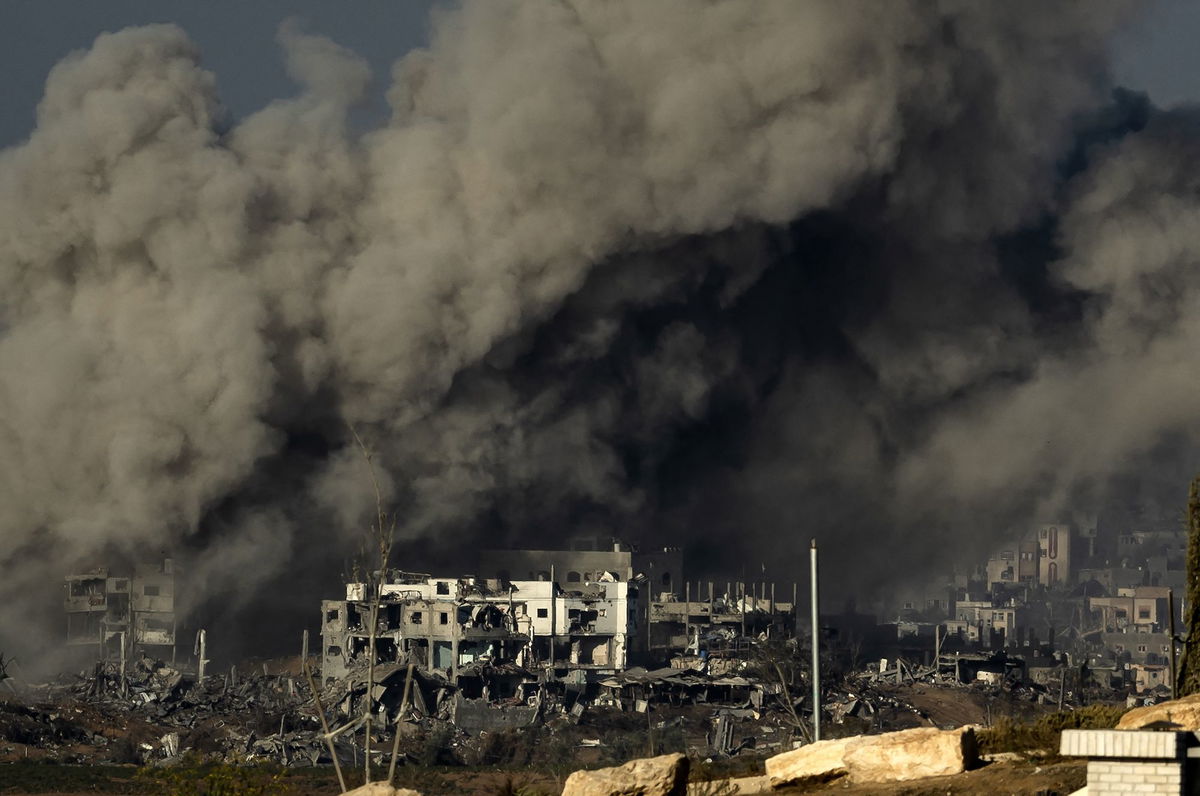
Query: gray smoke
(727, 272)
(1129, 378)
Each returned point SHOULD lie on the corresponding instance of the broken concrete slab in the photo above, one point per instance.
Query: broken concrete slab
(665, 775)
(380, 789)
(1174, 714)
(912, 754)
(890, 757)
(809, 763)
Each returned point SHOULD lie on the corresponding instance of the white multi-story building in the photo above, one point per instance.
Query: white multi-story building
(450, 623)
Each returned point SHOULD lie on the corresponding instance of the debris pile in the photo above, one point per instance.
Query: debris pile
(151, 713)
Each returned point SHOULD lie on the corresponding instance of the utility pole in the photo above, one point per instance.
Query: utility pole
(795, 611)
(1171, 628)
(771, 624)
(937, 651)
(816, 646)
(742, 597)
(711, 619)
(124, 682)
(687, 613)
(553, 618)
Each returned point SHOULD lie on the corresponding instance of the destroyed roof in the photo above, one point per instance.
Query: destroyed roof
(479, 668)
(640, 675)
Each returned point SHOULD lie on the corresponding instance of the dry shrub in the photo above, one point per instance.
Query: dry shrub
(1042, 735)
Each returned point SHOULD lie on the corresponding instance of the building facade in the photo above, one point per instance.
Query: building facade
(120, 612)
(448, 624)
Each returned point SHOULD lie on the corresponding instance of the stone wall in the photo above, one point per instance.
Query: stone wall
(1130, 761)
(1118, 777)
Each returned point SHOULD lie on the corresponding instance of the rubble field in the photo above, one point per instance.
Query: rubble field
(154, 729)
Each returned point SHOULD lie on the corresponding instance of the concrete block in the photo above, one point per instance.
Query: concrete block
(1126, 744)
(654, 776)
(820, 760)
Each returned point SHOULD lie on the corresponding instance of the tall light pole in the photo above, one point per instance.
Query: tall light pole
(816, 646)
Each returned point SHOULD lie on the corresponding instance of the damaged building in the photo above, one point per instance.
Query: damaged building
(436, 623)
(596, 609)
(651, 574)
(117, 613)
(706, 620)
(450, 625)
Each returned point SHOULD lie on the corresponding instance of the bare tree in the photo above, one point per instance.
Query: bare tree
(776, 662)
(4, 675)
(381, 536)
(1189, 669)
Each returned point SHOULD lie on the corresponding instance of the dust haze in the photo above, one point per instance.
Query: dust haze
(728, 275)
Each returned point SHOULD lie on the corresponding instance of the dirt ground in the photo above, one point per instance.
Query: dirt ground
(69, 780)
(1023, 779)
(948, 707)
(1019, 779)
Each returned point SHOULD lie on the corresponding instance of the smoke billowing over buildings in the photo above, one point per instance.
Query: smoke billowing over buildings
(730, 274)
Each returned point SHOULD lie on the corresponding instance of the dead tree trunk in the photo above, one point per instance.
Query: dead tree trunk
(1189, 669)
(382, 534)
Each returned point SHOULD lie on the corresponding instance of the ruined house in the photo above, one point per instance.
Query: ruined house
(592, 625)
(1141, 609)
(1148, 677)
(705, 620)
(454, 625)
(436, 623)
(652, 574)
(119, 613)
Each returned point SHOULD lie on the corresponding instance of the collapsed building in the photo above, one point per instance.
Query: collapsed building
(710, 622)
(649, 575)
(452, 625)
(117, 613)
(597, 608)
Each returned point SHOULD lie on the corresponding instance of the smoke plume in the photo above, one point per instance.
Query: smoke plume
(723, 274)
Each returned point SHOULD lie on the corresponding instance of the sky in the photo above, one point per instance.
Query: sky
(237, 39)
(1161, 57)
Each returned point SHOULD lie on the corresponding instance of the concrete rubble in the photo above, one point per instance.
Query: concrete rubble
(911, 754)
(890, 757)
(380, 789)
(714, 706)
(1175, 714)
(813, 762)
(224, 716)
(666, 775)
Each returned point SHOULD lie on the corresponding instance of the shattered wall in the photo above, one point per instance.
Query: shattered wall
(120, 613)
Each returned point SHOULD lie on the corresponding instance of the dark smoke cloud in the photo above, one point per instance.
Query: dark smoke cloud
(730, 274)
